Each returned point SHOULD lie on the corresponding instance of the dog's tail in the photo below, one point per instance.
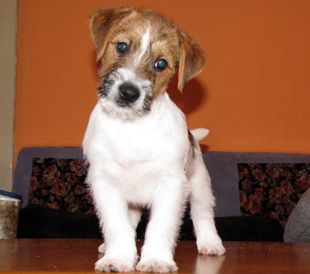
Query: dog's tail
(199, 133)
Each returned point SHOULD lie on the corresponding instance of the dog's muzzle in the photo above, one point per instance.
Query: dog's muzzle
(125, 93)
(128, 93)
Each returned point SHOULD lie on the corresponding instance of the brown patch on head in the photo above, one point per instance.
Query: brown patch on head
(102, 25)
(112, 26)
(192, 59)
(165, 46)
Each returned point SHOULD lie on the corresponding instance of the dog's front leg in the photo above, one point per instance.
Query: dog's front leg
(119, 233)
(134, 213)
(163, 227)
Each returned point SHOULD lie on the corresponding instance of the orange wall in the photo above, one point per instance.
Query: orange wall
(254, 94)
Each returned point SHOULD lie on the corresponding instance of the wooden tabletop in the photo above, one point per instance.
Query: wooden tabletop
(79, 255)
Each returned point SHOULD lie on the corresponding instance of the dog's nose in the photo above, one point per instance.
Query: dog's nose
(128, 92)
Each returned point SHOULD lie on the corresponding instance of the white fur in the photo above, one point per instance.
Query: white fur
(140, 155)
(145, 41)
(147, 161)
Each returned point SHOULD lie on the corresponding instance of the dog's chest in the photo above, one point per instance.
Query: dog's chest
(139, 154)
(136, 154)
(138, 142)
(161, 133)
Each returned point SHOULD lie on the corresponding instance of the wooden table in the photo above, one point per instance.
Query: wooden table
(79, 255)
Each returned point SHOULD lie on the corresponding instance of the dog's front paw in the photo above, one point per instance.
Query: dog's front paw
(108, 264)
(212, 246)
(157, 265)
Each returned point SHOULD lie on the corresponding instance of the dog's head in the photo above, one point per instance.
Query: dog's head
(140, 51)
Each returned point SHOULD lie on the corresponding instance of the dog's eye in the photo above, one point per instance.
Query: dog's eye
(122, 48)
(160, 64)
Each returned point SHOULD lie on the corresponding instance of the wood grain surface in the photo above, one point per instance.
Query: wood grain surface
(79, 255)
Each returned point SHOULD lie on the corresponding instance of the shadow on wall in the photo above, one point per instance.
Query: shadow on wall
(193, 95)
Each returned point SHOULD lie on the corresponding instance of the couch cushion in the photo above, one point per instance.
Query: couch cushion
(60, 184)
(23, 168)
(249, 228)
(37, 221)
(272, 189)
(223, 169)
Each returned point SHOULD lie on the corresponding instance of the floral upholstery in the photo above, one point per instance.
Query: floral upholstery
(272, 189)
(264, 189)
(60, 183)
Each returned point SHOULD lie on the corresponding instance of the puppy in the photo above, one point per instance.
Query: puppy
(137, 143)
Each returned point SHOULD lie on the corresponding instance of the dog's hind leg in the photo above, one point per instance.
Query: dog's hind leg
(202, 213)
(134, 213)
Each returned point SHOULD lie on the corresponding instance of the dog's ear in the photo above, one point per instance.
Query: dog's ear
(102, 25)
(192, 59)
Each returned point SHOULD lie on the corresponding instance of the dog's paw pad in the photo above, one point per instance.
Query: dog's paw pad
(158, 266)
(212, 250)
(113, 265)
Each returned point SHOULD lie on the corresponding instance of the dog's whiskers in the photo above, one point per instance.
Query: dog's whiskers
(105, 87)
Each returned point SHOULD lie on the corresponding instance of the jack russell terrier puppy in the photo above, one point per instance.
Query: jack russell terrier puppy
(140, 151)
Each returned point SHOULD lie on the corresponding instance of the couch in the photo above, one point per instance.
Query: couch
(249, 187)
